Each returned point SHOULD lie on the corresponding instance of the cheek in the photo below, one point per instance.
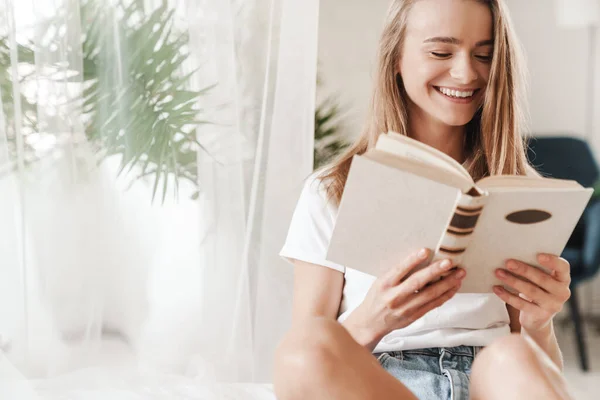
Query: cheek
(484, 72)
(419, 76)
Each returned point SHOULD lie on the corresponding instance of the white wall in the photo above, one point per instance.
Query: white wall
(348, 38)
(557, 62)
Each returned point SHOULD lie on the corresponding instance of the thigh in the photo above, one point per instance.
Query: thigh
(320, 360)
(526, 370)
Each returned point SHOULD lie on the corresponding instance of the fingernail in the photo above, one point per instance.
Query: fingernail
(446, 264)
(512, 265)
(461, 273)
(497, 290)
(501, 273)
(544, 257)
(422, 253)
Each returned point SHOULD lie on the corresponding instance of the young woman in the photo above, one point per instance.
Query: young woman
(449, 75)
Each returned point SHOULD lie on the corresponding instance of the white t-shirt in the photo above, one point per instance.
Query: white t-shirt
(466, 319)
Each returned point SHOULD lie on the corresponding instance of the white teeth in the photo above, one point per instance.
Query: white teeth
(456, 93)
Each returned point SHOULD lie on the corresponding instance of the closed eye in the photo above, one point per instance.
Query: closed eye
(440, 55)
(484, 58)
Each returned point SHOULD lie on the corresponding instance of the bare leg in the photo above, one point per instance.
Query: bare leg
(516, 368)
(320, 360)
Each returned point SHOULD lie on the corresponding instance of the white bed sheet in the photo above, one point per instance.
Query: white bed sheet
(123, 384)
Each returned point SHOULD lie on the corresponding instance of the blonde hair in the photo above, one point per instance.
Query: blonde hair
(493, 136)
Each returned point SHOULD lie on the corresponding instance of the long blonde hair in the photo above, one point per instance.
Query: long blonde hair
(493, 137)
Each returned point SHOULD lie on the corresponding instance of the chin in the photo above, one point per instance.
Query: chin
(456, 120)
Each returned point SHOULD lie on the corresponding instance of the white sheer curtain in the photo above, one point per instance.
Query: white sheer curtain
(169, 263)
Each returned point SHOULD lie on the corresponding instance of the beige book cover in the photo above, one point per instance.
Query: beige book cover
(403, 195)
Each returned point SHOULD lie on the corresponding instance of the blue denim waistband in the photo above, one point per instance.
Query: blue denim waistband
(468, 351)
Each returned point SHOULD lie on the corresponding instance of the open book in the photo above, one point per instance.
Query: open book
(403, 195)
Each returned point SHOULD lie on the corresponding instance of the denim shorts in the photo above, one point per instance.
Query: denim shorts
(432, 374)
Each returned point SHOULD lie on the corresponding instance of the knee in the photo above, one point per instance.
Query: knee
(499, 362)
(309, 343)
(505, 353)
(505, 349)
(523, 365)
(306, 356)
(510, 356)
(316, 335)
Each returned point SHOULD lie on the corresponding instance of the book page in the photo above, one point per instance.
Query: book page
(419, 168)
(528, 182)
(410, 148)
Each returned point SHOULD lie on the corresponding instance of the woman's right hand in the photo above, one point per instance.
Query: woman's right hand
(397, 299)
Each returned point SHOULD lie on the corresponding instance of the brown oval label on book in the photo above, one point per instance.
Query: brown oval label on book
(528, 216)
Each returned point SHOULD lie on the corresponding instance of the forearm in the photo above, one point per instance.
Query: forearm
(546, 339)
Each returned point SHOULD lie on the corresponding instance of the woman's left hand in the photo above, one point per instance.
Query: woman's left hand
(542, 295)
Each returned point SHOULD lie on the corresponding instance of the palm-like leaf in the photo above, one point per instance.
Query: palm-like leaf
(136, 100)
(143, 110)
(28, 109)
(328, 141)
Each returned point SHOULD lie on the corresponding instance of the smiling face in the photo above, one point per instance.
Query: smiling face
(446, 59)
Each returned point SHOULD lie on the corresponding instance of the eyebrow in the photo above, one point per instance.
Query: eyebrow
(453, 40)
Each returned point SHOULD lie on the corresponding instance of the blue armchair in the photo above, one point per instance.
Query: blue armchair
(571, 158)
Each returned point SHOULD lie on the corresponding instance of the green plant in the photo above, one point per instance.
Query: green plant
(328, 140)
(136, 101)
(154, 125)
(28, 108)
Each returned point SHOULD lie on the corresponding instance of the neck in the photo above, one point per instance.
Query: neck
(445, 138)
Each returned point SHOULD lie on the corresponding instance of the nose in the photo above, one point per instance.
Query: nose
(462, 70)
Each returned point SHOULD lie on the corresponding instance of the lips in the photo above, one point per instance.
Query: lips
(456, 95)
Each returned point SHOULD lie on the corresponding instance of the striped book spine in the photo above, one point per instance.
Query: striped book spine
(460, 229)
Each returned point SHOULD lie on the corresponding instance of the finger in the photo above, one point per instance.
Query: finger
(396, 274)
(515, 301)
(530, 290)
(434, 291)
(439, 301)
(546, 281)
(560, 267)
(419, 279)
